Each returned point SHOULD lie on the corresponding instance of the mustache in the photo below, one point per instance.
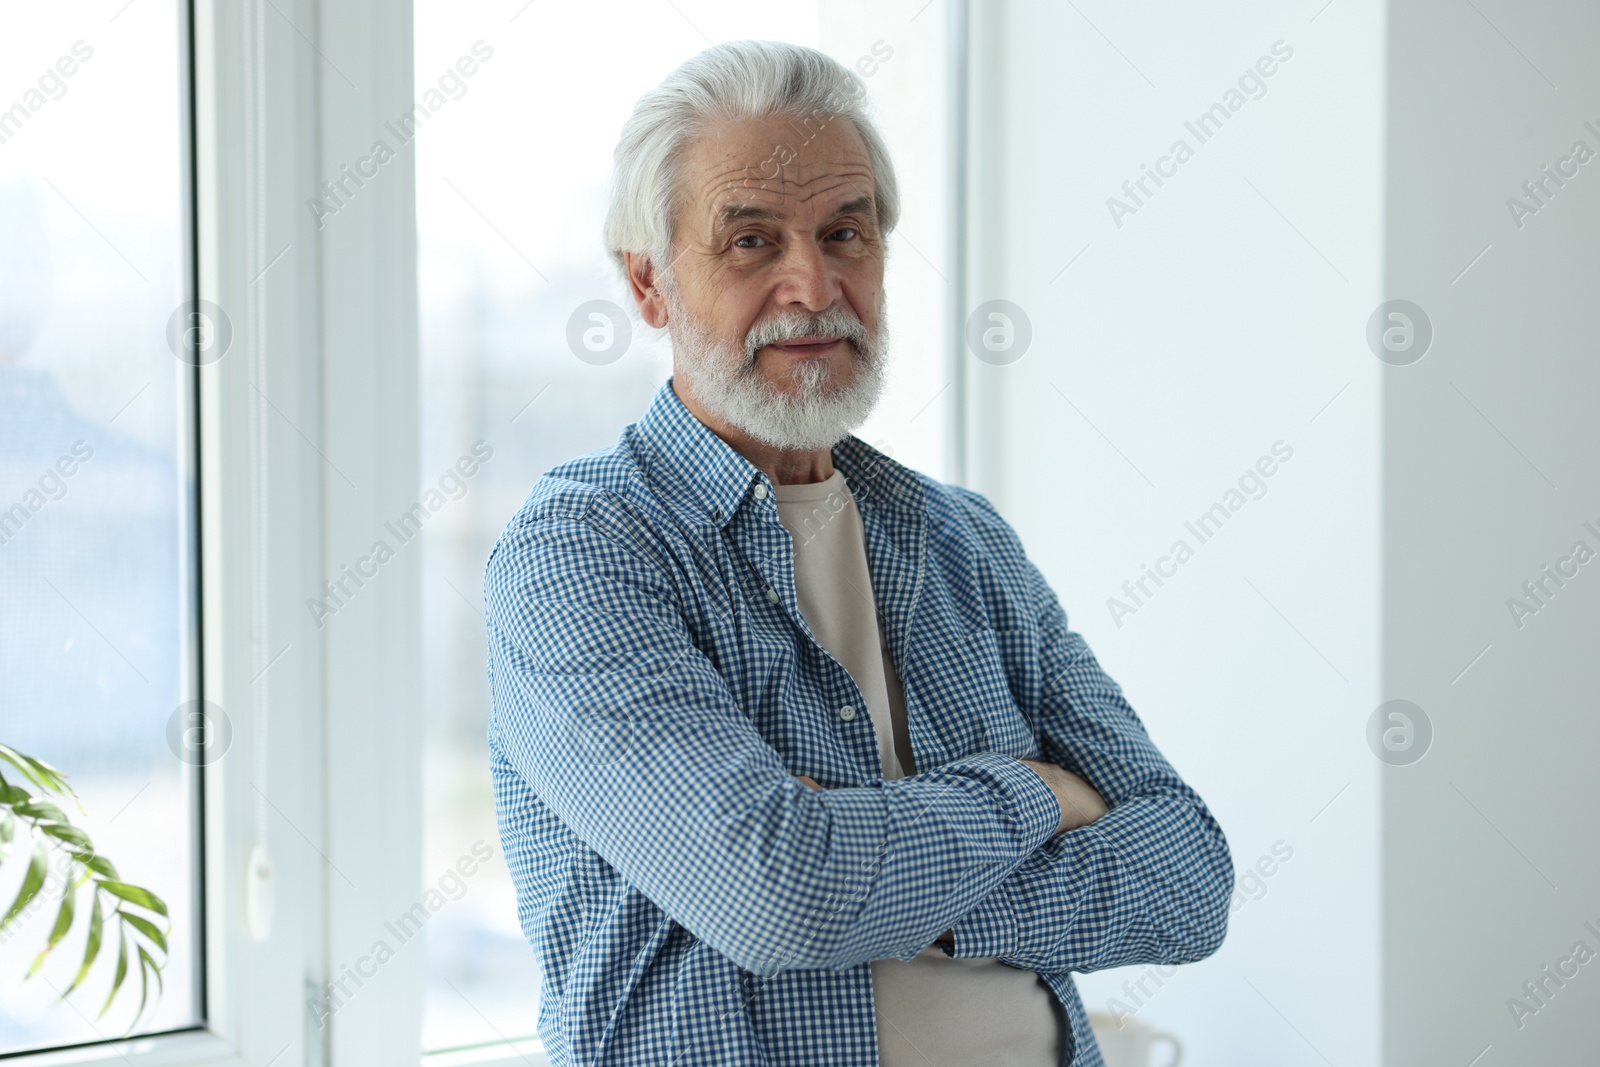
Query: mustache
(836, 321)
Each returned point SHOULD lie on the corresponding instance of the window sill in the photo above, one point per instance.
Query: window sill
(195, 1048)
(525, 1053)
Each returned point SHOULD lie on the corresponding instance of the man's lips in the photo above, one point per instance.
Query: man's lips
(802, 346)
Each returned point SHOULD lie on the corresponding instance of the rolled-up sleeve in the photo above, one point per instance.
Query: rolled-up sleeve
(604, 704)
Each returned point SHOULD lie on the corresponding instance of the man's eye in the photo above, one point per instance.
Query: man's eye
(748, 237)
(850, 230)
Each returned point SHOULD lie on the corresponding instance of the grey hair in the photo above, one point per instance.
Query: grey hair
(725, 83)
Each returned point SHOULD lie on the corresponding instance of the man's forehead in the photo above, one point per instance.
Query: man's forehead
(775, 165)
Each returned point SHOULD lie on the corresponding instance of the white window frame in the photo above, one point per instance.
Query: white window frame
(308, 430)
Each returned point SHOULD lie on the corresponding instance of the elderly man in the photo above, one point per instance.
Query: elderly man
(796, 760)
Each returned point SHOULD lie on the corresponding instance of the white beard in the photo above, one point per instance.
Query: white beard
(813, 417)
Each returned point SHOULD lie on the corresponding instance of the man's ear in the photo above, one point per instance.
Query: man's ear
(642, 284)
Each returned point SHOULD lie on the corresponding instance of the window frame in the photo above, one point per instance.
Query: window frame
(302, 458)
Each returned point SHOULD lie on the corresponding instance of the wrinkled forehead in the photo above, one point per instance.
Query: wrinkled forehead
(782, 168)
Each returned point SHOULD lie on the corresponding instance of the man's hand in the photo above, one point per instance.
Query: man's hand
(1080, 803)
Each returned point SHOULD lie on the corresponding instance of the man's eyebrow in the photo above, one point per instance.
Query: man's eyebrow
(730, 214)
(734, 213)
(860, 205)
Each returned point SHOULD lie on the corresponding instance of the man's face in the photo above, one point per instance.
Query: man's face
(775, 300)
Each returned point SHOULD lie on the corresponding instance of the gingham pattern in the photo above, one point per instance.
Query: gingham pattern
(656, 690)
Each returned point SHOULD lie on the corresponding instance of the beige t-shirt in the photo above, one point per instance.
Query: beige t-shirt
(931, 1008)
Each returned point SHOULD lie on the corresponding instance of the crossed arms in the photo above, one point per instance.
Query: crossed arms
(1080, 804)
(604, 704)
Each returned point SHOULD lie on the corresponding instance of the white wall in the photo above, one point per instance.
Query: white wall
(1492, 869)
(1226, 314)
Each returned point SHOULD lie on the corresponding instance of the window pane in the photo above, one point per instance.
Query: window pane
(513, 162)
(95, 516)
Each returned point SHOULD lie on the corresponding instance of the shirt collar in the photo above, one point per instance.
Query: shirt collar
(716, 479)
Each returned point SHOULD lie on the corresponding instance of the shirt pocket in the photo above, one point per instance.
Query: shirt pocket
(1002, 725)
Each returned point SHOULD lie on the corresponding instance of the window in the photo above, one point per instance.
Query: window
(99, 589)
(97, 521)
(511, 192)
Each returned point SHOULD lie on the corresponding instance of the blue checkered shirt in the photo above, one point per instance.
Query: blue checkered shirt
(656, 690)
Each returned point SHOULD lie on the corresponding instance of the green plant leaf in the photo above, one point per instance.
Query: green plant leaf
(147, 928)
(142, 897)
(91, 947)
(38, 771)
(56, 777)
(36, 809)
(96, 863)
(68, 833)
(155, 968)
(31, 881)
(144, 992)
(64, 917)
(122, 972)
(22, 763)
(8, 830)
(147, 964)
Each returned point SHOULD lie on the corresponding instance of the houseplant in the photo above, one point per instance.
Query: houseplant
(135, 917)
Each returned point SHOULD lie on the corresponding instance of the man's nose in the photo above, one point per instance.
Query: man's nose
(808, 279)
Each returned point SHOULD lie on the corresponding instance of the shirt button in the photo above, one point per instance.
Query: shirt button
(772, 596)
(847, 713)
(761, 491)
